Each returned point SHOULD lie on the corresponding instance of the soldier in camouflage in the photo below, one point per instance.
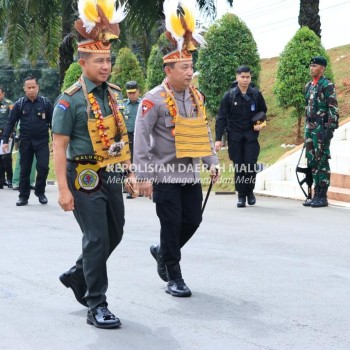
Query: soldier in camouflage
(321, 121)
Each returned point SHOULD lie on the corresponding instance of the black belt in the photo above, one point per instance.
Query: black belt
(72, 161)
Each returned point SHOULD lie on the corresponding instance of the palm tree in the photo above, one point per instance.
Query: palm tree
(26, 34)
(309, 15)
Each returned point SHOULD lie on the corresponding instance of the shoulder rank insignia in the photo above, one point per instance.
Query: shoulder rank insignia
(115, 87)
(73, 89)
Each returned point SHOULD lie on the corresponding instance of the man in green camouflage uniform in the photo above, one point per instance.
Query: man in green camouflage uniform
(321, 120)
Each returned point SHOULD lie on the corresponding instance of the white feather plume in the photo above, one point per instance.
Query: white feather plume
(89, 23)
(120, 14)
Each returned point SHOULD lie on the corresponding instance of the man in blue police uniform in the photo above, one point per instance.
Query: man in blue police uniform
(35, 115)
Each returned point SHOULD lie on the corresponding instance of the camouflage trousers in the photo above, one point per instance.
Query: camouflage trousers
(318, 155)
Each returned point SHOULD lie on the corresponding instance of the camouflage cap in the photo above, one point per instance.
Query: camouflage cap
(320, 60)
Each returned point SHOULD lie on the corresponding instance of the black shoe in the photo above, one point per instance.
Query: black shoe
(155, 251)
(241, 202)
(1, 187)
(78, 289)
(321, 199)
(42, 198)
(129, 196)
(307, 202)
(101, 317)
(21, 201)
(251, 198)
(176, 285)
(178, 288)
(32, 187)
(9, 185)
(320, 202)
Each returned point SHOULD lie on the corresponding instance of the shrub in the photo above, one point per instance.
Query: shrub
(73, 73)
(127, 68)
(293, 69)
(230, 44)
(155, 72)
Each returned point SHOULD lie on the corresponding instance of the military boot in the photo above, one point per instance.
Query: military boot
(176, 285)
(308, 202)
(321, 200)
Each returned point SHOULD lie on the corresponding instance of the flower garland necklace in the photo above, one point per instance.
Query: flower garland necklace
(99, 119)
(172, 105)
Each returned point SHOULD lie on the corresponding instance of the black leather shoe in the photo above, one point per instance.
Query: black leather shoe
(241, 202)
(21, 201)
(176, 285)
(129, 196)
(32, 187)
(1, 187)
(251, 198)
(178, 288)
(42, 199)
(155, 251)
(78, 289)
(101, 317)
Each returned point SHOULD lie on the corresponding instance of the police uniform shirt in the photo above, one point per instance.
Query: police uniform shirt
(130, 113)
(154, 141)
(35, 119)
(70, 118)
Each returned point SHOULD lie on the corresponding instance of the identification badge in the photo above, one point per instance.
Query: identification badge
(252, 107)
(43, 115)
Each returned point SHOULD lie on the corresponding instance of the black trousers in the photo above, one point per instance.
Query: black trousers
(244, 155)
(6, 166)
(179, 211)
(27, 150)
(100, 215)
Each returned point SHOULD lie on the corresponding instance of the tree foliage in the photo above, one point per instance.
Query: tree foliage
(28, 33)
(127, 68)
(73, 73)
(155, 72)
(293, 69)
(230, 44)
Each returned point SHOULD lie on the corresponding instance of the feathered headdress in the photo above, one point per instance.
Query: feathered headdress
(99, 23)
(181, 26)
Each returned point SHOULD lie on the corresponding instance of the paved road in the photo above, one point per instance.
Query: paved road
(271, 277)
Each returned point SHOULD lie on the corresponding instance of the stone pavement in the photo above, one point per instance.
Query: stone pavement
(275, 276)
